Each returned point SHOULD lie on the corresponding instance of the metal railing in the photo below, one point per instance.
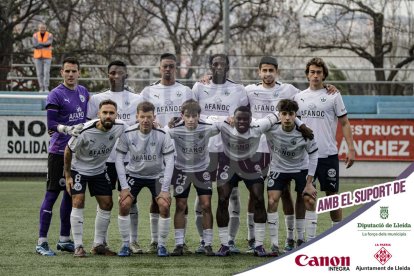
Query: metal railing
(140, 76)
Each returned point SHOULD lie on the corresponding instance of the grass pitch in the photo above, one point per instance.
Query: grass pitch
(20, 201)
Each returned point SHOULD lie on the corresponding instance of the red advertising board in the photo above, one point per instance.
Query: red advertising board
(380, 139)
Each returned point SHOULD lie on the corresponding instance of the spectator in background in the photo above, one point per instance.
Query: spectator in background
(42, 56)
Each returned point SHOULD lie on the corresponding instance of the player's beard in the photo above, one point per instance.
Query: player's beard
(107, 124)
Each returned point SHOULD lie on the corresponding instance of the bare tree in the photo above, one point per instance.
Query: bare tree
(373, 30)
(15, 16)
(63, 12)
(195, 27)
(127, 31)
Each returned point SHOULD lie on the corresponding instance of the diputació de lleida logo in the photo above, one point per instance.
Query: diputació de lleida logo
(384, 212)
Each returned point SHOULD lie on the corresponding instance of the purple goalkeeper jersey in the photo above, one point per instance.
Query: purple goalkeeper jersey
(71, 110)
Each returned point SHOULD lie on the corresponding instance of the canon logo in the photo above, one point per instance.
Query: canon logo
(304, 260)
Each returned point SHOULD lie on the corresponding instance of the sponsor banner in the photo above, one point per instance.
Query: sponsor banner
(374, 240)
(23, 137)
(380, 140)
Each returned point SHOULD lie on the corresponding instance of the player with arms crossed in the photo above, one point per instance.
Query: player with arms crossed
(151, 165)
(127, 102)
(66, 110)
(85, 158)
(191, 139)
(293, 158)
(321, 112)
(167, 95)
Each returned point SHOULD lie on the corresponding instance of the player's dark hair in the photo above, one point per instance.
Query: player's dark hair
(210, 61)
(145, 107)
(191, 106)
(243, 109)
(106, 102)
(317, 61)
(287, 105)
(71, 60)
(168, 56)
(117, 63)
(268, 60)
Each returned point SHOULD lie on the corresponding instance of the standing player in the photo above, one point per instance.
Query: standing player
(167, 95)
(85, 158)
(290, 161)
(321, 112)
(66, 109)
(127, 103)
(219, 99)
(191, 141)
(263, 99)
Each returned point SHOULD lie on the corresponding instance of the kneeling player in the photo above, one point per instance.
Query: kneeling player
(151, 165)
(191, 142)
(293, 157)
(90, 151)
(240, 144)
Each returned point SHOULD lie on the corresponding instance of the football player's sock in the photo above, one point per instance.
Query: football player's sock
(300, 229)
(311, 223)
(124, 227)
(290, 226)
(273, 222)
(179, 236)
(102, 220)
(76, 220)
(164, 229)
(234, 213)
(133, 214)
(208, 236)
(154, 218)
(198, 218)
(46, 213)
(224, 235)
(259, 233)
(65, 209)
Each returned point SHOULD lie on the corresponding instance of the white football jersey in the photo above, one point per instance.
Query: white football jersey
(320, 112)
(241, 146)
(126, 102)
(219, 100)
(192, 146)
(146, 151)
(264, 101)
(289, 150)
(167, 100)
(92, 147)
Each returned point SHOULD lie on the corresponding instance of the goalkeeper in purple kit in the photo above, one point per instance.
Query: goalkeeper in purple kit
(66, 112)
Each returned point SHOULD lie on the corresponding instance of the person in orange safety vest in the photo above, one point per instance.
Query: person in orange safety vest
(42, 56)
